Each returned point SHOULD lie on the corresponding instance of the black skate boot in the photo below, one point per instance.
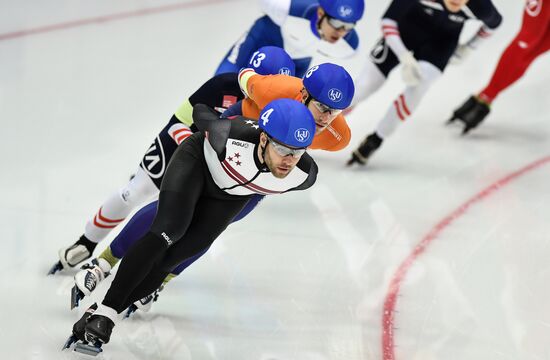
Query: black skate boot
(471, 113)
(90, 333)
(73, 255)
(98, 329)
(365, 150)
(78, 327)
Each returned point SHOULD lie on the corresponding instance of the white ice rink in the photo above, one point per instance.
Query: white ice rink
(329, 273)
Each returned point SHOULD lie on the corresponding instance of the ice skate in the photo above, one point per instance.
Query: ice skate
(365, 150)
(73, 255)
(87, 279)
(471, 113)
(144, 304)
(98, 329)
(78, 339)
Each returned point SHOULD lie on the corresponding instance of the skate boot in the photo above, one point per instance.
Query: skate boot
(73, 255)
(145, 303)
(90, 332)
(471, 113)
(78, 328)
(365, 150)
(98, 329)
(87, 279)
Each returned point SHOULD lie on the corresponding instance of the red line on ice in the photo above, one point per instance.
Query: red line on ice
(388, 348)
(108, 18)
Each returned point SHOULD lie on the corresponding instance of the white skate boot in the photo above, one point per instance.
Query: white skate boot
(87, 279)
(145, 303)
(74, 254)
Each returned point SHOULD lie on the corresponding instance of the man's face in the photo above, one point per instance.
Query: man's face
(455, 6)
(328, 32)
(280, 166)
(322, 119)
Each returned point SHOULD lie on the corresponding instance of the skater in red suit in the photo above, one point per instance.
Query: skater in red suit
(532, 40)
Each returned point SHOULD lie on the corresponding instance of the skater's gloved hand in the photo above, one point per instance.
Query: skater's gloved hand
(460, 54)
(410, 70)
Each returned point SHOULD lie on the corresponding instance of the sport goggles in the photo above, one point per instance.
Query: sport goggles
(339, 24)
(324, 109)
(284, 150)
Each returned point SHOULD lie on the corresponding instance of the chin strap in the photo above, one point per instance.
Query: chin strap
(319, 23)
(265, 168)
(308, 100)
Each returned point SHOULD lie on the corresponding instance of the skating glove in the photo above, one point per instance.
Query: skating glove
(410, 70)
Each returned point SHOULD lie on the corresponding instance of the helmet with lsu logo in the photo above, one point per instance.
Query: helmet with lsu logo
(272, 60)
(349, 11)
(289, 122)
(330, 84)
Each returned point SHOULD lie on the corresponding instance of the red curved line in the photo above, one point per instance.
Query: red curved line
(404, 103)
(96, 223)
(106, 219)
(107, 18)
(388, 346)
(398, 110)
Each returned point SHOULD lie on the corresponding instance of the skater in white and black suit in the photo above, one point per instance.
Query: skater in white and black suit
(220, 92)
(210, 178)
(422, 36)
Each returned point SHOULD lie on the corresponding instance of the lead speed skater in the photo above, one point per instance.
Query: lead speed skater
(273, 161)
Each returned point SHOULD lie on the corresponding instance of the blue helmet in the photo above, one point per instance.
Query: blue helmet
(289, 122)
(346, 10)
(330, 84)
(272, 60)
